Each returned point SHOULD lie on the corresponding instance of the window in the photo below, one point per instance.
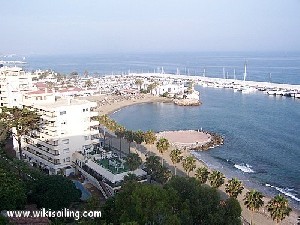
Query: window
(65, 141)
(66, 150)
(62, 112)
(67, 159)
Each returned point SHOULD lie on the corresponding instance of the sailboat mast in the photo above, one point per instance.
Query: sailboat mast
(233, 73)
(245, 71)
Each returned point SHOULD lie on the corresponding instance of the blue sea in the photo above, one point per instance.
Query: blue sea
(262, 144)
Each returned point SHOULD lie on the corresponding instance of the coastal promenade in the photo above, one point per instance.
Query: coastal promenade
(114, 104)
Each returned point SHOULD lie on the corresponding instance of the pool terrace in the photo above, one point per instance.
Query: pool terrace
(114, 165)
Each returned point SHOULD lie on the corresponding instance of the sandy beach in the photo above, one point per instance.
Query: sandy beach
(110, 104)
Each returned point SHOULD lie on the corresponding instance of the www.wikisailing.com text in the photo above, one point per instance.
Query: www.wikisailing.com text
(64, 213)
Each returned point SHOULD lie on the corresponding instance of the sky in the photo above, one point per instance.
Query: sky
(112, 26)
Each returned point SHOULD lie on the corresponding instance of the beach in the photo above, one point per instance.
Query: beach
(110, 104)
(107, 104)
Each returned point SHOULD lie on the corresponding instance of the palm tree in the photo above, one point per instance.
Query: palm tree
(189, 164)
(234, 187)
(202, 174)
(253, 201)
(129, 137)
(138, 137)
(162, 145)
(24, 121)
(278, 208)
(151, 87)
(216, 179)
(133, 161)
(162, 174)
(120, 132)
(150, 137)
(139, 82)
(176, 157)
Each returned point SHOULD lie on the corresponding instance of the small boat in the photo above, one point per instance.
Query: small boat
(249, 90)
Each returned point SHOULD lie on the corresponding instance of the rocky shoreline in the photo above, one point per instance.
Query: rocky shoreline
(216, 140)
(187, 102)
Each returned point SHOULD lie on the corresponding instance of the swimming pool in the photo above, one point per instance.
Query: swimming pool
(85, 194)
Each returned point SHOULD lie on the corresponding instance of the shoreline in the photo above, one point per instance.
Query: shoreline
(261, 217)
(110, 105)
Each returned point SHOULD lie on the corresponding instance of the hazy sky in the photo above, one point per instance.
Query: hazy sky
(98, 26)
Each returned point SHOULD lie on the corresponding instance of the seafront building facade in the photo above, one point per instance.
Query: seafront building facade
(66, 127)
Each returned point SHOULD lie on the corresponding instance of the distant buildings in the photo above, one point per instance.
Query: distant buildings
(13, 82)
(67, 141)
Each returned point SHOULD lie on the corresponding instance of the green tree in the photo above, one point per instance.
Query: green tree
(133, 161)
(162, 174)
(142, 203)
(253, 200)
(139, 82)
(200, 204)
(4, 133)
(130, 177)
(234, 187)
(54, 192)
(23, 120)
(189, 164)
(150, 137)
(12, 191)
(162, 145)
(278, 208)
(202, 174)
(88, 83)
(176, 157)
(151, 87)
(152, 164)
(233, 212)
(138, 137)
(216, 179)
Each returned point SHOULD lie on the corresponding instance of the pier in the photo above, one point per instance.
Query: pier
(244, 86)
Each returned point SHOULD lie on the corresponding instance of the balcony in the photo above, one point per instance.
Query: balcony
(43, 150)
(94, 123)
(43, 159)
(94, 113)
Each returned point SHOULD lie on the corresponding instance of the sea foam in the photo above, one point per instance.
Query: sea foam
(246, 168)
(285, 191)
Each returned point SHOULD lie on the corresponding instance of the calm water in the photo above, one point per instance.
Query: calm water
(284, 67)
(261, 135)
(262, 144)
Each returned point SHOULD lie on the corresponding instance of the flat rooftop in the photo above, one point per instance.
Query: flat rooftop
(65, 102)
(114, 165)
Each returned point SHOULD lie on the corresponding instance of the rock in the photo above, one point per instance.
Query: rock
(187, 102)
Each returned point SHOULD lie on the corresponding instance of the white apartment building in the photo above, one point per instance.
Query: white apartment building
(13, 82)
(172, 89)
(67, 127)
